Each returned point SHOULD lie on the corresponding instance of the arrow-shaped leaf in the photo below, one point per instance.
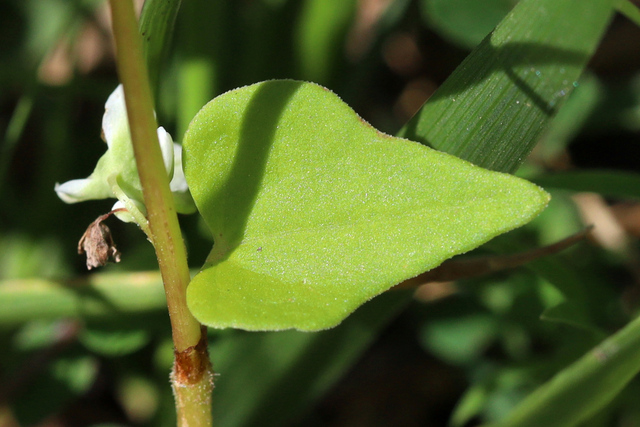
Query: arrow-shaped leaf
(313, 211)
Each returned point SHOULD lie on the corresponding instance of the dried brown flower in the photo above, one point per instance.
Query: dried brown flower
(98, 244)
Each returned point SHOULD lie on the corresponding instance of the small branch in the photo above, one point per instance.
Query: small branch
(457, 269)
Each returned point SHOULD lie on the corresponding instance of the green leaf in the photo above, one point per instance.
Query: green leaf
(460, 341)
(610, 183)
(320, 34)
(492, 109)
(570, 120)
(571, 314)
(107, 295)
(583, 388)
(113, 340)
(629, 10)
(313, 211)
(157, 20)
(66, 378)
(465, 22)
(301, 367)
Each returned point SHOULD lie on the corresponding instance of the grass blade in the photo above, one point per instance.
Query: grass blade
(580, 390)
(157, 21)
(495, 105)
(629, 10)
(610, 183)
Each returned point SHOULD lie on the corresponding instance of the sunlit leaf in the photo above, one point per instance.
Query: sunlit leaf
(313, 211)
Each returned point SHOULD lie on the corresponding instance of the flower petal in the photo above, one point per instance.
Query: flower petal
(166, 146)
(79, 190)
(178, 182)
(179, 188)
(115, 124)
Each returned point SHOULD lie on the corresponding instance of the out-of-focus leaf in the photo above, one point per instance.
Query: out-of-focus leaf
(64, 379)
(582, 389)
(630, 10)
(460, 340)
(495, 105)
(469, 406)
(313, 212)
(201, 38)
(618, 108)
(48, 19)
(465, 22)
(268, 378)
(15, 128)
(23, 256)
(138, 396)
(610, 183)
(570, 119)
(97, 295)
(567, 312)
(320, 37)
(113, 341)
(562, 278)
(38, 334)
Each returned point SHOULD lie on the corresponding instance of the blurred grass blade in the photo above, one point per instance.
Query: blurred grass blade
(497, 102)
(320, 34)
(584, 387)
(15, 128)
(629, 10)
(202, 30)
(156, 27)
(610, 183)
(97, 295)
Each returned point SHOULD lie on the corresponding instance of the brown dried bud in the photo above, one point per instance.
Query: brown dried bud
(98, 244)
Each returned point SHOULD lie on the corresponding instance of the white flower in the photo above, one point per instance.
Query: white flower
(116, 173)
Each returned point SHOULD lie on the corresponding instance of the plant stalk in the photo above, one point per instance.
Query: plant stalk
(192, 375)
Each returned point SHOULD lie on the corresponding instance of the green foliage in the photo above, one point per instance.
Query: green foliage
(609, 183)
(581, 390)
(74, 350)
(510, 87)
(313, 211)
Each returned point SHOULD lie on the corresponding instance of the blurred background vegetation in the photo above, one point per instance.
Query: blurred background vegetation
(459, 353)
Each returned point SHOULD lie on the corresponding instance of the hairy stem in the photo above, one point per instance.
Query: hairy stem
(191, 377)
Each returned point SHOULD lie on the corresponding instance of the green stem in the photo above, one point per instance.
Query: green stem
(131, 207)
(191, 376)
